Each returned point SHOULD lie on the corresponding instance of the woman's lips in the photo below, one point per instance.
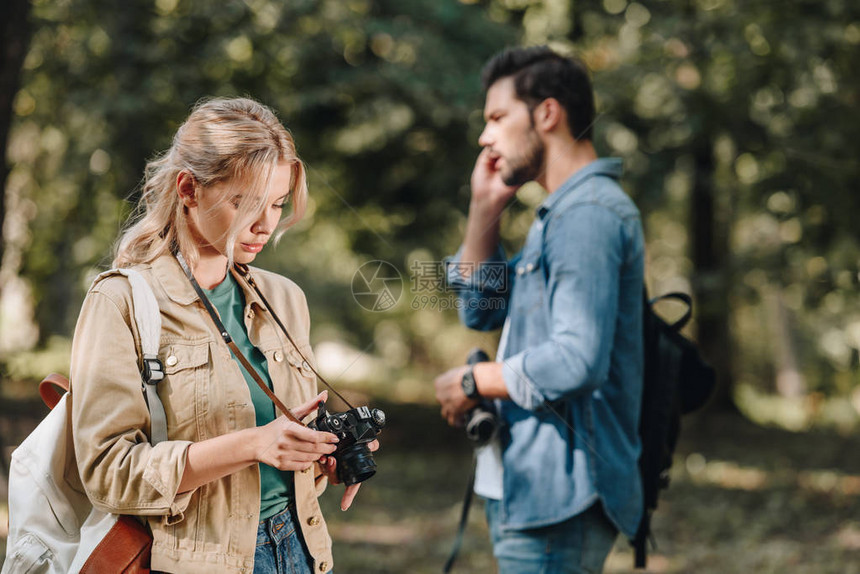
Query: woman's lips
(252, 247)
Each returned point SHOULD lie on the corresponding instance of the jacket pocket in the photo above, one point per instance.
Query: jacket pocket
(185, 389)
(31, 555)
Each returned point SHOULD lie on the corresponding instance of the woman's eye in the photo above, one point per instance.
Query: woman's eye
(279, 205)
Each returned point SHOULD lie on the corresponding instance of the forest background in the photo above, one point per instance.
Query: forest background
(738, 125)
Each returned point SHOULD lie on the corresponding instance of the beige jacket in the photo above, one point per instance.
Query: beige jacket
(213, 528)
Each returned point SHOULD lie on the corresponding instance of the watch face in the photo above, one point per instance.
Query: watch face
(468, 384)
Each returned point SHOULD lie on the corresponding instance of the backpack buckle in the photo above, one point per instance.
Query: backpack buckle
(153, 370)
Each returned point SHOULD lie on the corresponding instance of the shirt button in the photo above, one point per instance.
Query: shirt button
(279, 356)
(172, 360)
(323, 566)
(520, 270)
(313, 520)
(529, 267)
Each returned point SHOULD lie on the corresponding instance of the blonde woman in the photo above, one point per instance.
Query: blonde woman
(235, 486)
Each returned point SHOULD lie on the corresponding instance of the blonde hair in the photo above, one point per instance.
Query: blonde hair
(223, 140)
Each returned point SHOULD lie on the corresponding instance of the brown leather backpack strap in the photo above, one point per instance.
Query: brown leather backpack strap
(126, 548)
(52, 388)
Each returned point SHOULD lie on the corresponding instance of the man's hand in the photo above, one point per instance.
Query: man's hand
(449, 393)
(487, 185)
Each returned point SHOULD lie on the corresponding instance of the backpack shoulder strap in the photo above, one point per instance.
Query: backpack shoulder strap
(148, 318)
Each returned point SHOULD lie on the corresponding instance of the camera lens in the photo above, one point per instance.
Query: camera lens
(355, 464)
(481, 426)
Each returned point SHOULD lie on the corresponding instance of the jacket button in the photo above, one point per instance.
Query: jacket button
(313, 520)
(172, 360)
(250, 313)
(279, 356)
(306, 366)
(323, 566)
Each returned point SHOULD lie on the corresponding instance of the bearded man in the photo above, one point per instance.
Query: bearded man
(560, 480)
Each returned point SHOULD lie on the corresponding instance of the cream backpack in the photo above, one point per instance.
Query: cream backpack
(53, 528)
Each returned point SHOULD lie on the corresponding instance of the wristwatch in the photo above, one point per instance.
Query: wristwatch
(470, 387)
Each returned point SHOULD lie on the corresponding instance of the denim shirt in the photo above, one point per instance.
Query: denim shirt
(573, 360)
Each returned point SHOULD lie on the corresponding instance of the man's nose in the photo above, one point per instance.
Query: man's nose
(485, 139)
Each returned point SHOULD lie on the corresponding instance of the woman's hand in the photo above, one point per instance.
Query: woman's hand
(287, 445)
(328, 465)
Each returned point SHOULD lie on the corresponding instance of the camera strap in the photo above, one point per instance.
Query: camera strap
(229, 340)
(464, 516)
(246, 275)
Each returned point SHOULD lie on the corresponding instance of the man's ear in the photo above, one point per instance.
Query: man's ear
(549, 115)
(187, 189)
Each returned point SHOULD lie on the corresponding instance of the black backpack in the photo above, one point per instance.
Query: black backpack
(676, 381)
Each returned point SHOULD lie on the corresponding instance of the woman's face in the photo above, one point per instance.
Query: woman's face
(212, 212)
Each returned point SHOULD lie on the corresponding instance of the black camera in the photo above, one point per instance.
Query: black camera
(481, 422)
(355, 428)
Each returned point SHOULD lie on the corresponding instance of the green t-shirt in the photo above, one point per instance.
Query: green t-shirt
(276, 486)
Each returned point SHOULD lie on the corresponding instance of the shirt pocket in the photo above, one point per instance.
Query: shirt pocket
(185, 388)
(530, 281)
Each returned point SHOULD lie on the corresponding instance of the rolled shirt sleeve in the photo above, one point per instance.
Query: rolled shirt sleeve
(583, 254)
(119, 468)
(483, 289)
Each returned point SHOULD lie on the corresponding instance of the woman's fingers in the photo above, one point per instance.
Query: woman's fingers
(313, 439)
(349, 496)
(304, 410)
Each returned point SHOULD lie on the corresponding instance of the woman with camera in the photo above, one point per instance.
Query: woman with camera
(234, 487)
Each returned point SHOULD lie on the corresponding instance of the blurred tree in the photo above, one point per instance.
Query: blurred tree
(16, 36)
(724, 116)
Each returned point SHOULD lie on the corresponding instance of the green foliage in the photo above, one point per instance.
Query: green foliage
(384, 100)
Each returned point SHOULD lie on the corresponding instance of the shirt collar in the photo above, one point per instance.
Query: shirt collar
(608, 166)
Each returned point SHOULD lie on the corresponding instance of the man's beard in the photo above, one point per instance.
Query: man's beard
(526, 166)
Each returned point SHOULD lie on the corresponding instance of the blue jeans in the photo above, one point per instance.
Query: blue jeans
(280, 546)
(578, 545)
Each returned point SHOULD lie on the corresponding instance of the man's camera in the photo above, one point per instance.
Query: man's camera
(355, 428)
(481, 422)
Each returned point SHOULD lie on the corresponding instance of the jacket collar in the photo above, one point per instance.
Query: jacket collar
(168, 272)
(609, 167)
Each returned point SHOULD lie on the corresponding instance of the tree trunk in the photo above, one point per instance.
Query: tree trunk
(16, 37)
(711, 280)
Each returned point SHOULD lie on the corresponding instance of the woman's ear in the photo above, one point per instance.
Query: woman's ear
(187, 189)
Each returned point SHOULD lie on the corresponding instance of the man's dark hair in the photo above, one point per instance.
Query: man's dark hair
(540, 73)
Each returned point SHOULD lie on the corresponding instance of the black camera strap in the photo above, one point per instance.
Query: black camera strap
(464, 516)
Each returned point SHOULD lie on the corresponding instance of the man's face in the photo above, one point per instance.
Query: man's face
(510, 135)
